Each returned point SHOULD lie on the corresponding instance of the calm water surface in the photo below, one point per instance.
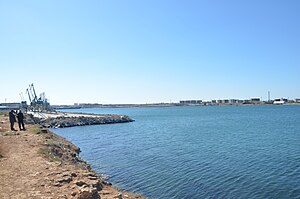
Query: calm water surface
(197, 152)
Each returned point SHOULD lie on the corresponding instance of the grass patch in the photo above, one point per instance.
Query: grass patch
(5, 114)
(46, 152)
(49, 142)
(35, 129)
(50, 148)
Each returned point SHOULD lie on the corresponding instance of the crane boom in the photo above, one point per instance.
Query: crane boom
(35, 97)
(22, 96)
(27, 91)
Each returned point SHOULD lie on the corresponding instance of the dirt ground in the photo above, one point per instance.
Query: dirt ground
(28, 171)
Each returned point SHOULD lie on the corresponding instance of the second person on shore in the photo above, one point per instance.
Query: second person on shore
(20, 117)
(12, 120)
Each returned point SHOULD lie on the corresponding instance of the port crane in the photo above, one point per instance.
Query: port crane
(37, 104)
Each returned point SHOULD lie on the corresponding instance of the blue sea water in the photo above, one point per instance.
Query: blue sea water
(197, 152)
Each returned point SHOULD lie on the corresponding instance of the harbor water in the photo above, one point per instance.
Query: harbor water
(197, 152)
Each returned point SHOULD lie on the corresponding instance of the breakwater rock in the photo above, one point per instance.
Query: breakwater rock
(62, 122)
(59, 120)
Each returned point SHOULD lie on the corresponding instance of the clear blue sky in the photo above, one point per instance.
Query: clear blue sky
(149, 51)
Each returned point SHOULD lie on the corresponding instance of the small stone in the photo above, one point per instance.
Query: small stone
(65, 179)
(96, 184)
(80, 183)
(44, 131)
(92, 178)
(106, 183)
(73, 193)
(119, 196)
(57, 184)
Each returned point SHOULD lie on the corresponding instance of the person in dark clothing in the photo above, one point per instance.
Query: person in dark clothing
(12, 119)
(20, 117)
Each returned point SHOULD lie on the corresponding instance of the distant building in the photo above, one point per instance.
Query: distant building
(233, 101)
(225, 101)
(246, 101)
(297, 100)
(207, 103)
(199, 101)
(255, 100)
(9, 106)
(190, 102)
(279, 101)
(14, 105)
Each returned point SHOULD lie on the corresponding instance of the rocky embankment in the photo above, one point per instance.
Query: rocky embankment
(62, 120)
(84, 181)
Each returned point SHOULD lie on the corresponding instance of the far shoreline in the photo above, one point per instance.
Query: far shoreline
(61, 107)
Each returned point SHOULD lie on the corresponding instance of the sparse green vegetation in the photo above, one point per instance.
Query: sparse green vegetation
(35, 129)
(47, 148)
(46, 152)
(49, 142)
(5, 114)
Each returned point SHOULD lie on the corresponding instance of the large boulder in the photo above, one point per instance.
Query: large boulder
(88, 193)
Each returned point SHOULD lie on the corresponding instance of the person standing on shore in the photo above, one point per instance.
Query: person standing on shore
(12, 119)
(20, 117)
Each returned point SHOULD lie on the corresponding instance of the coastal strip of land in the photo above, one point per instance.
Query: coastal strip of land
(37, 163)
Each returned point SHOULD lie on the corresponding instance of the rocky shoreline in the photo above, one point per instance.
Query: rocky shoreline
(89, 184)
(56, 148)
(38, 163)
